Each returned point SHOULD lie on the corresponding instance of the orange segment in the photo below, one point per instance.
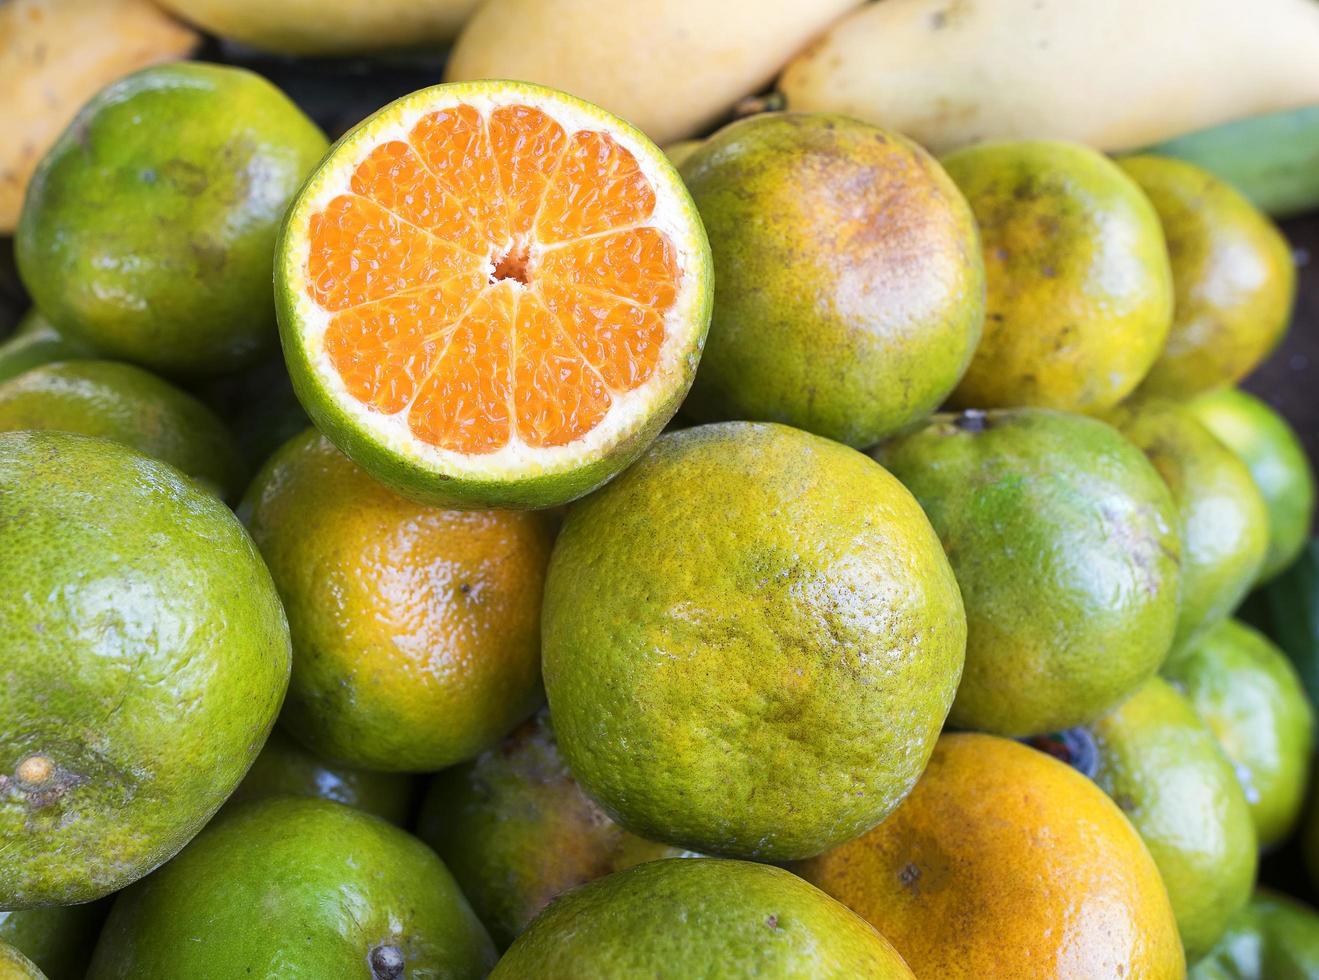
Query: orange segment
(383, 350)
(493, 277)
(463, 406)
(395, 178)
(638, 264)
(599, 186)
(558, 397)
(361, 253)
(620, 339)
(528, 145)
(454, 146)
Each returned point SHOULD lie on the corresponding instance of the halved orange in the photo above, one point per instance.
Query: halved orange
(493, 294)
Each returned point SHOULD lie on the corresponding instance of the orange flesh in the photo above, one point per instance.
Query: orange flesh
(571, 316)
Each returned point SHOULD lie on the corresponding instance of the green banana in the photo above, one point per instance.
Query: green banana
(1273, 159)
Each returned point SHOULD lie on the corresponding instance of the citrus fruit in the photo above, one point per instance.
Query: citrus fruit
(1277, 462)
(1221, 514)
(57, 940)
(306, 27)
(149, 228)
(291, 887)
(1249, 695)
(1232, 273)
(493, 294)
(679, 918)
(285, 768)
(1079, 288)
(1272, 938)
(416, 630)
(15, 966)
(1162, 766)
(36, 342)
(131, 406)
(751, 640)
(1064, 543)
(145, 658)
(1005, 863)
(516, 830)
(850, 290)
(54, 56)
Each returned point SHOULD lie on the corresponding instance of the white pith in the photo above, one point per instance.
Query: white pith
(672, 215)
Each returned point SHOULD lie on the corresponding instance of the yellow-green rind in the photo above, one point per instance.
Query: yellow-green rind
(15, 966)
(1277, 463)
(1159, 762)
(286, 768)
(675, 919)
(1080, 293)
(1272, 938)
(851, 287)
(517, 831)
(1064, 542)
(148, 229)
(35, 342)
(1232, 272)
(146, 655)
(411, 476)
(290, 887)
(1222, 516)
(124, 403)
(59, 939)
(750, 642)
(1251, 697)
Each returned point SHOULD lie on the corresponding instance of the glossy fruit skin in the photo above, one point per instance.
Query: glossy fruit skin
(15, 966)
(517, 831)
(1251, 698)
(1080, 292)
(1277, 463)
(149, 682)
(1272, 938)
(57, 940)
(1222, 516)
(1064, 542)
(35, 342)
(751, 640)
(1004, 862)
(299, 888)
(127, 405)
(1232, 272)
(149, 229)
(1165, 770)
(850, 289)
(674, 919)
(285, 768)
(415, 630)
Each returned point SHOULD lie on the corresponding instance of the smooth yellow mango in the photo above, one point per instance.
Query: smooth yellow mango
(669, 67)
(1116, 75)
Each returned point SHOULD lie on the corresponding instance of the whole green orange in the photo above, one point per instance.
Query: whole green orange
(1272, 938)
(1222, 516)
(145, 657)
(129, 405)
(416, 630)
(700, 917)
(1232, 274)
(148, 229)
(36, 342)
(516, 830)
(59, 940)
(1080, 290)
(850, 289)
(751, 640)
(290, 887)
(1064, 542)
